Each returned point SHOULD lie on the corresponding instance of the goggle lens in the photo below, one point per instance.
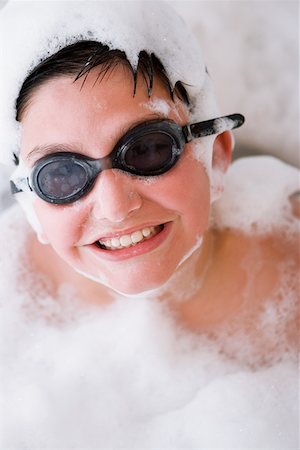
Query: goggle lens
(149, 154)
(61, 179)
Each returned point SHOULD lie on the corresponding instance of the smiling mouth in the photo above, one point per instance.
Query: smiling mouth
(129, 240)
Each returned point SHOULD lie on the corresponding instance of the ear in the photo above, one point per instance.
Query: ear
(222, 151)
(221, 158)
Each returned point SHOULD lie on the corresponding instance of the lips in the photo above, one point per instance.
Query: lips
(103, 247)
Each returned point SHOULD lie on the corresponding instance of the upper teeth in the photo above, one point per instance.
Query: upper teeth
(129, 239)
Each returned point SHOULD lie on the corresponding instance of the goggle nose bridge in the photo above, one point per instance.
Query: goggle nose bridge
(112, 161)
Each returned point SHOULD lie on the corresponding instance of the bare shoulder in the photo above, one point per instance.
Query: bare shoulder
(268, 267)
(259, 214)
(256, 234)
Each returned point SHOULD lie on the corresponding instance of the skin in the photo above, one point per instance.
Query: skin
(233, 275)
(90, 120)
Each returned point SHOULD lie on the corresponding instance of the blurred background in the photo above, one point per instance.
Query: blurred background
(252, 52)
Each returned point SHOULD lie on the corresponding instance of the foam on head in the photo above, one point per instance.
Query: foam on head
(32, 31)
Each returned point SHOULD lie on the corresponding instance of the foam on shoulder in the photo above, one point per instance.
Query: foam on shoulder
(255, 198)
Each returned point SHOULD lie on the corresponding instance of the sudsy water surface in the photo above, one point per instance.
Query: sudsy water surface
(127, 376)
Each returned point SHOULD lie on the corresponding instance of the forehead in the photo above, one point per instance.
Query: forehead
(92, 113)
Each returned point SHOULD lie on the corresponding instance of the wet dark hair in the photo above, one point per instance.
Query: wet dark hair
(80, 58)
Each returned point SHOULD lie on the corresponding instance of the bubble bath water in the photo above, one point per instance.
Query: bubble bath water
(127, 375)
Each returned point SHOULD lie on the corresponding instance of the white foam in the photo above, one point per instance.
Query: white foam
(253, 187)
(216, 184)
(202, 151)
(127, 377)
(26, 197)
(158, 105)
(5, 196)
(31, 31)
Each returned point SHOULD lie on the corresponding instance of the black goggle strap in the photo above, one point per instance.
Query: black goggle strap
(213, 126)
(14, 189)
(19, 180)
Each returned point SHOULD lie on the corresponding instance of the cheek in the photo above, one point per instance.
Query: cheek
(196, 204)
(60, 226)
(186, 190)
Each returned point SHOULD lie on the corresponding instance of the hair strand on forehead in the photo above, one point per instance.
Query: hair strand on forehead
(80, 58)
(145, 67)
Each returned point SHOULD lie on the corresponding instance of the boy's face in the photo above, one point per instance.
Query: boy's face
(173, 206)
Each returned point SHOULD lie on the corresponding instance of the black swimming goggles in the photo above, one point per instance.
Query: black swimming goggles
(149, 149)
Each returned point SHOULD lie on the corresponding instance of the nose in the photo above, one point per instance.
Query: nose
(115, 196)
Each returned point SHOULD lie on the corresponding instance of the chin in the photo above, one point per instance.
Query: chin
(136, 289)
(128, 286)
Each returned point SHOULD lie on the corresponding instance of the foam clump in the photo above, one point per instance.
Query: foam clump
(126, 376)
(256, 195)
(32, 31)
